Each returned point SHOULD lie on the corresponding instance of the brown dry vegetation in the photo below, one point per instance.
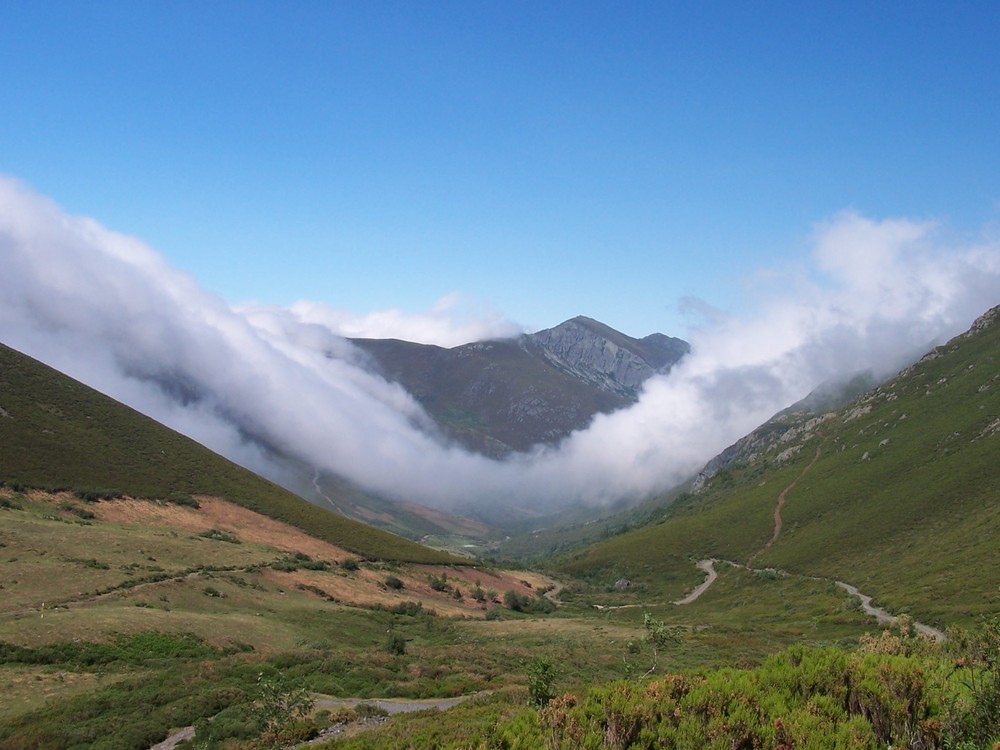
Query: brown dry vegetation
(169, 536)
(247, 525)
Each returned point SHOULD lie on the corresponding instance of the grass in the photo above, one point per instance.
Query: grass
(158, 615)
(63, 435)
(252, 612)
(903, 501)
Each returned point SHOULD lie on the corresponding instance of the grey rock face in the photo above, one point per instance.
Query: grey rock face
(604, 357)
(507, 395)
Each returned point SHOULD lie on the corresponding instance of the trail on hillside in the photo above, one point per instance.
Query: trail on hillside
(882, 616)
(319, 491)
(345, 729)
(781, 503)
(709, 567)
(553, 593)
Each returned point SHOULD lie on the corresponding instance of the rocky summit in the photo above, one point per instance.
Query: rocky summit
(506, 395)
(600, 355)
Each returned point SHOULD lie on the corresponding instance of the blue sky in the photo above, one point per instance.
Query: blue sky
(541, 159)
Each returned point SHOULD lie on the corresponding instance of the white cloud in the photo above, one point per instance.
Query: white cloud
(108, 310)
(449, 322)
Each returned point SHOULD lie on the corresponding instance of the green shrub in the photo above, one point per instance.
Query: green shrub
(393, 582)
(395, 644)
(219, 535)
(541, 676)
(439, 584)
(184, 499)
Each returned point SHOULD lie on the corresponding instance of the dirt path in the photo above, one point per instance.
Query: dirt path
(885, 617)
(709, 567)
(781, 503)
(187, 733)
(396, 705)
(390, 705)
(553, 593)
(319, 491)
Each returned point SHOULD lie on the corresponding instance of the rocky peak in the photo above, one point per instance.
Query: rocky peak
(604, 357)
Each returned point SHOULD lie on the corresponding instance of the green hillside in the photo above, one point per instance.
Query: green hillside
(56, 433)
(903, 499)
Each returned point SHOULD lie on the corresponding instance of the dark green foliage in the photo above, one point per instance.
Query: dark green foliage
(299, 561)
(530, 604)
(514, 601)
(350, 564)
(395, 644)
(411, 609)
(393, 582)
(974, 714)
(183, 499)
(94, 496)
(76, 510)
(800, 698)
(8, 504)
(139, 649)
(315, 590)
(220, 536)
(276, 706)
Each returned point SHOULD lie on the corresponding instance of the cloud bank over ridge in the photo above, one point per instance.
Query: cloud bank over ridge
(109, 311)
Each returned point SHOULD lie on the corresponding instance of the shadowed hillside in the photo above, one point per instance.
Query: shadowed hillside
(58, 433)
(508, 395)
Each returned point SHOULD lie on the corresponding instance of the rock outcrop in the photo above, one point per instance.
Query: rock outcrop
(507, 395)
(604, 357)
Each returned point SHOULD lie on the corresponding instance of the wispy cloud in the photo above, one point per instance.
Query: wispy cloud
(108, 310)
(451, 321)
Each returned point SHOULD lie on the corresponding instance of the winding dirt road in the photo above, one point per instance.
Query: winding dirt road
(882, 616)
(709, 567)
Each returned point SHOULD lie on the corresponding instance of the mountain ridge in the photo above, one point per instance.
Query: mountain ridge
(500, 396)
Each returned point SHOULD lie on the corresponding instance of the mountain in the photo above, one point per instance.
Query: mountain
(896, 492)
(56, 433)
(506, 395)
(595, 353)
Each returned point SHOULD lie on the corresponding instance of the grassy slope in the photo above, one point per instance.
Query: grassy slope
(915, 524)
(59, 433)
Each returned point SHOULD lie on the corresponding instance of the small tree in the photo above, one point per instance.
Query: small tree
(277, 705)
(541, 676)
(658, 637)
(512, 601)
